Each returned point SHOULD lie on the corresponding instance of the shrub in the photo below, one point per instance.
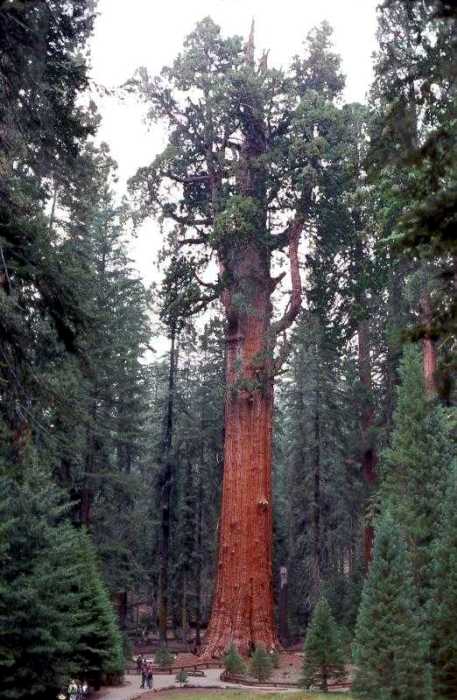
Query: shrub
(233, 663)
(163, 658)
(261, 664)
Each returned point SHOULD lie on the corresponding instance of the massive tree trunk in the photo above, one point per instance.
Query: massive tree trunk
(242, 610)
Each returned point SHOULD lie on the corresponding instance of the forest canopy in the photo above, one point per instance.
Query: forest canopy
(285, 472)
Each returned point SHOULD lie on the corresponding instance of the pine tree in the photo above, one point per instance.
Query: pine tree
(444, 597)
(36, 600)
(261, 664)
(323, 658)
(390, 644)
(98, 651)
(233, 662)
(163, 657)
(415, 466)
(55, 614)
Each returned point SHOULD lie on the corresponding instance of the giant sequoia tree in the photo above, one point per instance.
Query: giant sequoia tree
(238, 181)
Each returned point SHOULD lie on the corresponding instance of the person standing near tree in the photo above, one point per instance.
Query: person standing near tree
(72, 690)
(139, 663)
(149, 676)
(143, 673)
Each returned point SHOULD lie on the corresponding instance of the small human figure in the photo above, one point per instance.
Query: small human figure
(83, 690)
(149, 676)
(72, 690)
(139, 663)
(143, 674)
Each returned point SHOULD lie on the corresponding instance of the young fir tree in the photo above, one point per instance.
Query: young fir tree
(390, 646)
(233, 662)
(98, 652)
(36, 597)
(444, 597)
(261, 664)
(55, 615)
(323, 653)
(415, 466)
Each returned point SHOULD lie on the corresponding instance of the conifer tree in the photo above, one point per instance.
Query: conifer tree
(36, 598)
(261, 664)
(55, 615)
(444, 597)
(98, 651)
(268, 138)
(233, 662)
(415, 466)
(323, 653)
(390, 646)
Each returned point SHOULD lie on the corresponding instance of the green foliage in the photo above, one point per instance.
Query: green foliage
(261, 666)
(233, 662)
(99, 650)
(415, 466)
(55, 614)
(323, 656)
(163, 658)
(390, 644)
(239, 222)
(443, 617)
(415, 137)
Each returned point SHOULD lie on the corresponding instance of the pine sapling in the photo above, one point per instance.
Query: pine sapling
(261, 664)
(324, 658)
(233, 662)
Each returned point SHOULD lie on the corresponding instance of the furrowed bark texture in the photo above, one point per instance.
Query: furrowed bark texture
(242, 610)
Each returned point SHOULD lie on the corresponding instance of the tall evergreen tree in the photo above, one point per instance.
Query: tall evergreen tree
(444, 597)
(415, 466)
(391, 644)
(51, 595)
(249, 162)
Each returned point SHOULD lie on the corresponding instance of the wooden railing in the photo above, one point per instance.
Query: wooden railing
(175, 668)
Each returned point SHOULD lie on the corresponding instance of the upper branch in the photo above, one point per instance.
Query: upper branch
(293, 307)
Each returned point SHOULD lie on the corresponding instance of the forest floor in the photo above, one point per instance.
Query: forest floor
(208, 687)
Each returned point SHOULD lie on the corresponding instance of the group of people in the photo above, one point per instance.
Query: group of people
(76, 691)
(144, 667)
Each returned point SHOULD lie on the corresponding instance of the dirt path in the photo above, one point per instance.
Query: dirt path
(131, 688)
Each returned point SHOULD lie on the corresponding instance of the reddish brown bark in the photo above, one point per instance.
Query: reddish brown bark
(242, 610)
(429, 353)
(243, 604)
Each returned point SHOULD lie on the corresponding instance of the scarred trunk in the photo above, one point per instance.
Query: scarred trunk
(242, 610)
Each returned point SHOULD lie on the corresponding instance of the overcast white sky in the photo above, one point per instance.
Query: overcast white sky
(133, 33)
